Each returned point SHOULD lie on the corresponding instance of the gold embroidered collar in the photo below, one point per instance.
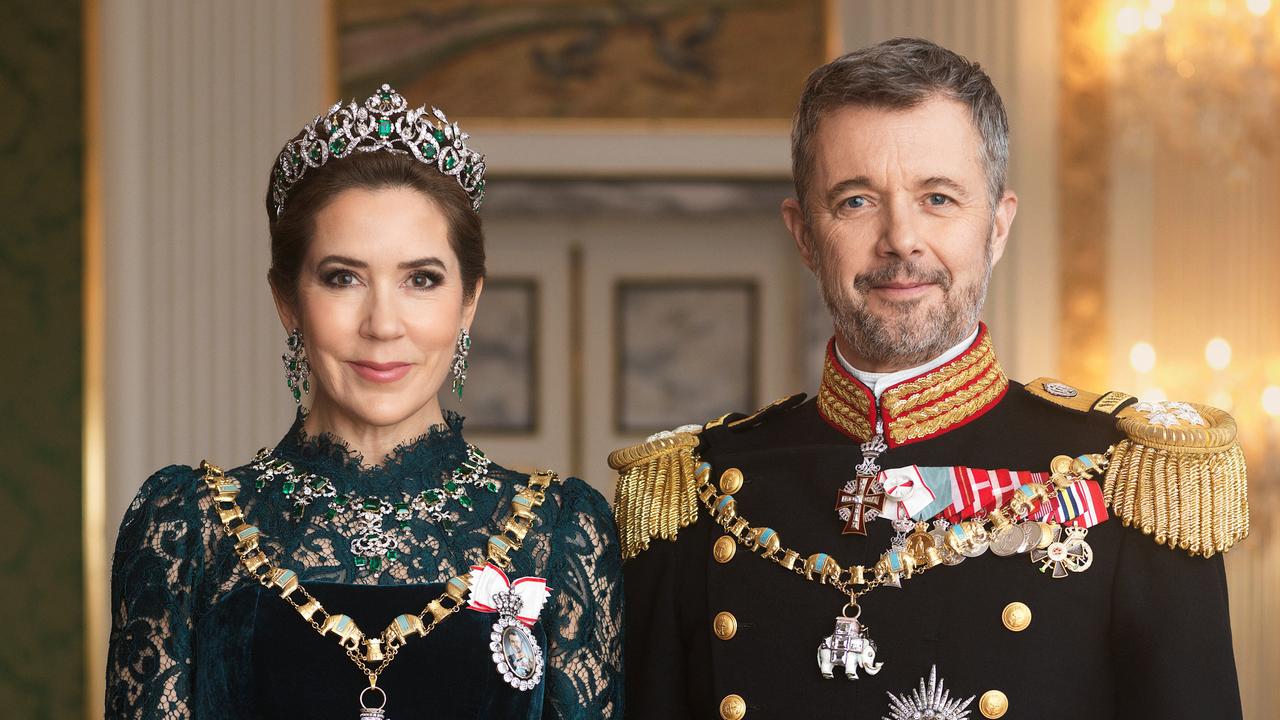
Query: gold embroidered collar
(918, 408)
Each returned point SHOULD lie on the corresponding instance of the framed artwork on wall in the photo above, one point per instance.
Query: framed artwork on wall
(685, 350)
(596, 87)
(519, 60)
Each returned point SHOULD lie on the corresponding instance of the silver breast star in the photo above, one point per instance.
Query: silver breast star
(927, 702)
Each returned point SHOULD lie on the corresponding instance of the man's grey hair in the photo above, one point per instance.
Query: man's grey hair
(900, 74)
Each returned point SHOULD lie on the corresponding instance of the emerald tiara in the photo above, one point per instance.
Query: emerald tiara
(382, 123)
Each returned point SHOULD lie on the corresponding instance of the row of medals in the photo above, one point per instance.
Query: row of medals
(1042, 540)
(1056, 555)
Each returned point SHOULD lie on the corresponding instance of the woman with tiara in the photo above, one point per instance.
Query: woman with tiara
(373, 563)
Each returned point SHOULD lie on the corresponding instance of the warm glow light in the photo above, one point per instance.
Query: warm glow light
(1186, 69)
(1222, 399)
(1129, 20)
(1271, 400)
(1153, 395)
(1258, 7)
(1151, 19)
(1162, 6)
(1142, 357)
(1218, 353)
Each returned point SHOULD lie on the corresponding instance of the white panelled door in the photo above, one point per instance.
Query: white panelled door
(644, 324)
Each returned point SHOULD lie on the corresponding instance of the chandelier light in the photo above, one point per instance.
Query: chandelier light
(1201, 76)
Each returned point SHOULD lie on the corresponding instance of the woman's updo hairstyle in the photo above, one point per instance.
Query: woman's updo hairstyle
(291, 232)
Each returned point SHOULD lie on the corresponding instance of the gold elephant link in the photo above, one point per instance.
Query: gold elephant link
(349, 634)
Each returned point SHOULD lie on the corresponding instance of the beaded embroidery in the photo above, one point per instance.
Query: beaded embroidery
(374, 524)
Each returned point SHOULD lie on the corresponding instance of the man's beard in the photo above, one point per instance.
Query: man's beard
(900, 337)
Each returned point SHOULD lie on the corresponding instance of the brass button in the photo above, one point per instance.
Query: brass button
(725, 625)
(724, 549)
(993, 704)
(731, 481)
(1016, 616)
(733, 707)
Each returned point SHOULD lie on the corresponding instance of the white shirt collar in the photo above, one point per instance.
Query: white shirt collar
(878, 382)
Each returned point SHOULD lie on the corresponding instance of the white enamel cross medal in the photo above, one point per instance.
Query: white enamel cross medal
(1064, 554)
(515, 650)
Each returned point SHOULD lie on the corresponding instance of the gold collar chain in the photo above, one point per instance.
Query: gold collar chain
(922, 550)
(378, 652)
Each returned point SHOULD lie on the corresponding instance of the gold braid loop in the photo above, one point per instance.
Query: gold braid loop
(902, 399)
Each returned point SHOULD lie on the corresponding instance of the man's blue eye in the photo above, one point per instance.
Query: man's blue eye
(938, 200)
(856, 201)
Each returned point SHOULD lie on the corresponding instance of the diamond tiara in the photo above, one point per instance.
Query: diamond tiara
(382, 123)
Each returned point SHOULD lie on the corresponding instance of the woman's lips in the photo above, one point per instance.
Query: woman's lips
(380, 372)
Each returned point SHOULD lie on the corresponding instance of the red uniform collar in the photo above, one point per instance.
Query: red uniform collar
(917, 408)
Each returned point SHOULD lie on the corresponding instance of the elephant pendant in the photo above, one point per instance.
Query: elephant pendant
(848, 647)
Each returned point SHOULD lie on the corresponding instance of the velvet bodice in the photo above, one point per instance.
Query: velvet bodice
(194, 637)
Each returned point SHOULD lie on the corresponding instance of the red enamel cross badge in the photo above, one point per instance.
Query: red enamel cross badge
(858, 502)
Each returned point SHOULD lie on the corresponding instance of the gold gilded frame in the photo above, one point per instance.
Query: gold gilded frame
(93, 448)
(607, 131)
(1083, 181)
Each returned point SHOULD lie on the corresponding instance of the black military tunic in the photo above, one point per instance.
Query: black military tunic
(1142, 633)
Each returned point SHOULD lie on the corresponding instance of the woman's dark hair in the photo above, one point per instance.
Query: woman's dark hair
(291, 232)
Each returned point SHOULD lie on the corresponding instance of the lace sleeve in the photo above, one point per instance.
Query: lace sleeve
(158, 552)
(584, 664)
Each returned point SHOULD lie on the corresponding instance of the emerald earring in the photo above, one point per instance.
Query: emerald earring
(459, 368)
(297, 372)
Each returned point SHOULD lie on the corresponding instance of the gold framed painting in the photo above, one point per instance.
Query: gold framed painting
(599, 63)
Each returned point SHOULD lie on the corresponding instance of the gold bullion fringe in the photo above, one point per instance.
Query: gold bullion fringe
(657, 491)
(1190, 496)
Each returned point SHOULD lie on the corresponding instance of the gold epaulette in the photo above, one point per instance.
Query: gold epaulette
(1179, 475)
(656, 494)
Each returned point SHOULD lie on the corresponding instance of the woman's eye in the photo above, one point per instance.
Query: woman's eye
(341, 278)
(423, 280)
(938, 199)
(857, 201)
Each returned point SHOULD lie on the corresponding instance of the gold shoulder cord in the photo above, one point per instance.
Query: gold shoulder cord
(1179, 475)
(378, 652)
(656, 495)
(1184, 484)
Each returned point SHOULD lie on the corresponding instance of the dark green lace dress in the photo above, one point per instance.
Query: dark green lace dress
(194, 637)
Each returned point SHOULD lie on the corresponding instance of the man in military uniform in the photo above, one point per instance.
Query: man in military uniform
(925, 538)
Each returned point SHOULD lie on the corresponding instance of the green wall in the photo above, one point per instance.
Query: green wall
(41, 146)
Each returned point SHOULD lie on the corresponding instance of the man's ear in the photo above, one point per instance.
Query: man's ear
(798, 226)
(1006, 209)
(285, 309)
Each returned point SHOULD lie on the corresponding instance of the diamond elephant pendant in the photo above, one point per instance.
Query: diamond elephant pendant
(848, 647)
